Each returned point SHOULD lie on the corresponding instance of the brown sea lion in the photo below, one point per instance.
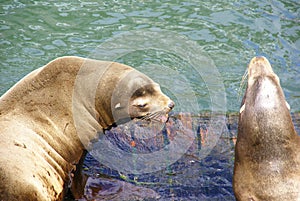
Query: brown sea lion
(42, 115)
(267, 152)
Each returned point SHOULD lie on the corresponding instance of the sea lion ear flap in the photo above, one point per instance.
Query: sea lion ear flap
(242, 108)
(118, 106)
(288, 105)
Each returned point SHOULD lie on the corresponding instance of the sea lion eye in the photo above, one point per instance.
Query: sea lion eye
(118, 106)
(142, 105)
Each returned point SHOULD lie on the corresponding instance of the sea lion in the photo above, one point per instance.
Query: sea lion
(267, 151)
(41, 115)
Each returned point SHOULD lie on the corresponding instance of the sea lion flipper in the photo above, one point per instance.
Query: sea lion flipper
(78, 179)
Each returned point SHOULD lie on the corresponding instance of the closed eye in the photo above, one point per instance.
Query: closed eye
(142, 105)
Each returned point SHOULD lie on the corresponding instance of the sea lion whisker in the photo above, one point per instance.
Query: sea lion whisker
(156, 114)
(155, 120)
(242, 84)
(153, 116)
(150, 115)
(146, 117)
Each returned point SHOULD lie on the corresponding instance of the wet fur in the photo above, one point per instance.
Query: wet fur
(267, 152)
(40, 148)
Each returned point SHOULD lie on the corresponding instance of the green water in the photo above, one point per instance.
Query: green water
(231, 33)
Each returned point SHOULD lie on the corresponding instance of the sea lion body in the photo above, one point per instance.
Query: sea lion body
(39, 144)
(267, 152)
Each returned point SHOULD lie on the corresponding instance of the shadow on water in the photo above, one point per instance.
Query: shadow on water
(192, 177)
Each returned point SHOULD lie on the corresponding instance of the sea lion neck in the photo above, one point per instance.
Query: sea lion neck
(110, 82)
(265, 94)
(44, 97)
(57, 75)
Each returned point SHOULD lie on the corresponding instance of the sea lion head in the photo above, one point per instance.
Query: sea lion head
(263, 92)
(125, 93)
(137, 96)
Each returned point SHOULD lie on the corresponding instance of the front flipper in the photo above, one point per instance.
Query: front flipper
(79, 179)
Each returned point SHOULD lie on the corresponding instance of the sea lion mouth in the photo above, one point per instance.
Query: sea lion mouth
(159, 117)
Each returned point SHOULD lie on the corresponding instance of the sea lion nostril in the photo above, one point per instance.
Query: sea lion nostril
(171, 104)
(259, 58)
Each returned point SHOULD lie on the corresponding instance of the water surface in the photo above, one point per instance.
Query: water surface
(230, 32)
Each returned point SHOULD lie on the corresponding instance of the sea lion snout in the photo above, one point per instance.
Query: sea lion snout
(259, 66)
(166, 103)
(150, 103)
(259, 59)
(171, 104)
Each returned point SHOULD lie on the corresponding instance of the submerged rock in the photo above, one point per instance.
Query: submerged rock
(116, 190)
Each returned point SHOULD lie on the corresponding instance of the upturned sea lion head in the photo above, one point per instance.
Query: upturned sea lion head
(263, 92)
